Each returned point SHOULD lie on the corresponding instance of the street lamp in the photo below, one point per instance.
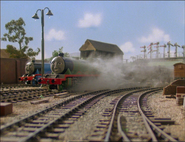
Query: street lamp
(42, 24)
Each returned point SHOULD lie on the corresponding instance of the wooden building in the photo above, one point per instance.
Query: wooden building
(179, 71)
(94, 49)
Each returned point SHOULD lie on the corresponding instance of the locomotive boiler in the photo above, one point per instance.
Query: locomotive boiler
(66, 72)
(33, 72)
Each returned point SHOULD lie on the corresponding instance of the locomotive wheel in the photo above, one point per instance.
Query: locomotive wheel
(51, 87)
(48, 88)
(27, 82)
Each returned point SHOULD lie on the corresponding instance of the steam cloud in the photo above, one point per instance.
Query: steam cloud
(113, 74)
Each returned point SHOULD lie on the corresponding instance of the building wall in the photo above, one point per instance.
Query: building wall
(11, 70)
(86, 54)
(101, 54)
(179, 71)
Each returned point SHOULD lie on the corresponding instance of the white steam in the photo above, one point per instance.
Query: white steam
(114, 74)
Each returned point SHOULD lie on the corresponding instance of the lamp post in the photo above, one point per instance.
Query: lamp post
(42, 24)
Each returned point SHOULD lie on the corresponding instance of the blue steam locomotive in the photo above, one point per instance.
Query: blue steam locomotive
(33, 72)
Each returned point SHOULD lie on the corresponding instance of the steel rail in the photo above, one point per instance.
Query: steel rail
(125, 138)
(34, 135)
(144, 119)
(155, 128)
(107, 138)
(43, 129)
(27, 118)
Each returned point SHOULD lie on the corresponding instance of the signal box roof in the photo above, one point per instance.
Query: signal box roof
(179, 64)
(91, 45)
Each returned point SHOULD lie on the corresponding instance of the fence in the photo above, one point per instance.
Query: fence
(11, 70)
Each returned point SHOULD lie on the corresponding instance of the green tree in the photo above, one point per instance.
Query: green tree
(16, 33)
(55, 53)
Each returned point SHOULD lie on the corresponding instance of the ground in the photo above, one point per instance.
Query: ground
(161, 106)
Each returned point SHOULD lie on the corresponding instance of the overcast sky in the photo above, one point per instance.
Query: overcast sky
(128, 24)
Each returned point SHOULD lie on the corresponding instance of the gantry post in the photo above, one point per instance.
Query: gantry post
(169, 44)
(151, 50)
(144, 51)
(157, 49)
(176, 45)
(163, 50)
(183, 47)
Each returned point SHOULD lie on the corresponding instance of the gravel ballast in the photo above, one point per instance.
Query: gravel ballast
(25, 108)
(163, 107)
(85, 125)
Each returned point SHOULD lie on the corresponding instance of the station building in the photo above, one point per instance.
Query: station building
(94, 49)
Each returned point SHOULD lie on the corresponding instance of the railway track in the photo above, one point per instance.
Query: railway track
(49, 124)
(53, 118)
(14, 86)
(129, 119)
(15, 96)
(155, 124)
